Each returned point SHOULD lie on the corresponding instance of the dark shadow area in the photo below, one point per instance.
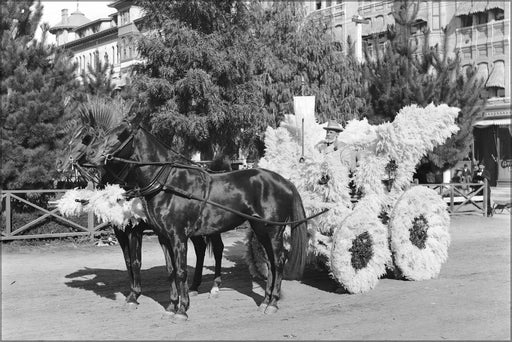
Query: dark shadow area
(319, 278)
(238, 277)
(313, 276)
(107, 282)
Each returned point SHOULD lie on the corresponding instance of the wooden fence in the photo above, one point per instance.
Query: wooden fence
(463, 197)
(16, 233)
(460, 197)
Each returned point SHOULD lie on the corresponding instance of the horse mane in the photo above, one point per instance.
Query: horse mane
(221, 163)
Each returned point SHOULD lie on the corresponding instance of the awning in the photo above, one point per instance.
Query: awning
(463, 8)
(422, 12)
(497, 78)
(468, 7)
(478, 6)
(497, 122)
(496, 4)
(483, 71)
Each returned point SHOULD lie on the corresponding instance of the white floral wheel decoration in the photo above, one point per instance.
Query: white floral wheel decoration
(360, 248)
(419, 236)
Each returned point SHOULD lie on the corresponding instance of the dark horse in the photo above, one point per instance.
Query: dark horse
(130, 238)
(183, 201)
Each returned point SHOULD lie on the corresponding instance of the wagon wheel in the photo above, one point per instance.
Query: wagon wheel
(419, 236)
(360, 248)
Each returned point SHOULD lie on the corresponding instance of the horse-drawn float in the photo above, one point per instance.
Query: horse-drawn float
(378, 222)
(390, 226)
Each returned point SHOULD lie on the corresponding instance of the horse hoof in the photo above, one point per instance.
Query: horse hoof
(168, 314)
(193, 293)
(181, 317)
(262, 307)
(214, 292)
(131, 305)
(270, 310)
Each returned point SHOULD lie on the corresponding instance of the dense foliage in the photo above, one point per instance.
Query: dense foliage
(403, 71)
(217, 73)
(37, 82)
(98, 78)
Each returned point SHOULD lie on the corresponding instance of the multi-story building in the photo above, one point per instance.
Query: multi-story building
(112, 39)
(479, 30)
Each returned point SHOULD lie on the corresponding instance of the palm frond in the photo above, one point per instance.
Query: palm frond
(102, 114)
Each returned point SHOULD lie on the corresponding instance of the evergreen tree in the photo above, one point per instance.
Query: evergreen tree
(299, 57)
(219, 72)
(37, 81)
(98, 78)
(197, 82)
(399, 75)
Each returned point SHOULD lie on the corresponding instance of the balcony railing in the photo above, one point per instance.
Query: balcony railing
(491, 32)
(331, 11)
(376, 6)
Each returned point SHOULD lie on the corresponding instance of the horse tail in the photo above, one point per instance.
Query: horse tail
(296, 263)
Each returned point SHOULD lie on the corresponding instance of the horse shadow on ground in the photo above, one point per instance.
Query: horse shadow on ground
(107, 283)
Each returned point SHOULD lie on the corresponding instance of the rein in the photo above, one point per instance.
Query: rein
(188, 195)
(158, 184)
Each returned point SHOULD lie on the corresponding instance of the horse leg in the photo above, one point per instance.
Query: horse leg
(124, 238)
(171, 270)
(263, 238)
(276, 238)
(179, 244)
(200, 249)
(135, 243)
(218, 250)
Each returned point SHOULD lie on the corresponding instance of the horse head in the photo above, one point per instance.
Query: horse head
(115, 143)
(75, 150)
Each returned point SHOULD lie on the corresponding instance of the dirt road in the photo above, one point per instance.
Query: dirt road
(77, 293)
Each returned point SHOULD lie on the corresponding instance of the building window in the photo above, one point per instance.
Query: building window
(418, 26)
(436, 15)
(319, 5)
(125, 17)
(499, 14)
(123, 47)
(466, 20)
(495, 92)
(481, 18)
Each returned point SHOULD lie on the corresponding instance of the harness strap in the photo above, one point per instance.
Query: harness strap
(153, 187)
(188, 195)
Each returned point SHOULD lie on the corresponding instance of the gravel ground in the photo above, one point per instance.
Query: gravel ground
(64, 291)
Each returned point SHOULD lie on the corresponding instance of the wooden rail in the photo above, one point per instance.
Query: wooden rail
(15, 233)
(459, 195)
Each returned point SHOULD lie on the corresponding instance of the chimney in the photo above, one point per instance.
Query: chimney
(64, 16)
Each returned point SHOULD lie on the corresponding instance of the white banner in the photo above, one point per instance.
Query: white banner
(304, 108)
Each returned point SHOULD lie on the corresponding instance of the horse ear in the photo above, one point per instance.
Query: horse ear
(136, 115)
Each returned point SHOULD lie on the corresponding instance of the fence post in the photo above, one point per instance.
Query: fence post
(451, 196)
(486, 195)
(90, 223)
(8, 223)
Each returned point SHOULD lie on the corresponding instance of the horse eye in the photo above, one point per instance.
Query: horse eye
(86, 140)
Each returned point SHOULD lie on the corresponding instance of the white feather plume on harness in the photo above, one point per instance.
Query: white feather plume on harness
(109, 205)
